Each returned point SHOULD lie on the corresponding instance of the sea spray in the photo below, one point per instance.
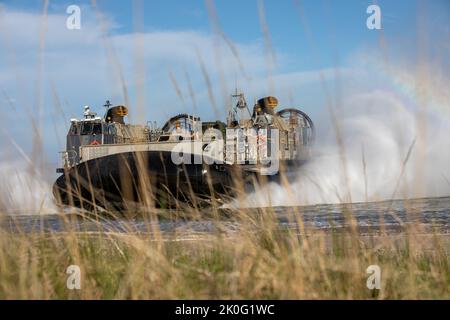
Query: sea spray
(378, 132)
(23, 192)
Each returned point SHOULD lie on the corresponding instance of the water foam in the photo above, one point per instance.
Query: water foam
(24, 192)
(371, 164)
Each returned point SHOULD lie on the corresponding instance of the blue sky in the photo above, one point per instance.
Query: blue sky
(337, 27)
(82, 67)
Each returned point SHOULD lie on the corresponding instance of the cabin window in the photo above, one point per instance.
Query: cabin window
(97, 128)
(74, 130)
(86, 129)
(91, 128)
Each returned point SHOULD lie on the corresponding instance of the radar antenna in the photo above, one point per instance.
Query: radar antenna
(241, 104)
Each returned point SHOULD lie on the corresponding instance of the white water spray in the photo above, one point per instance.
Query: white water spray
(373, 162)
(24, 193)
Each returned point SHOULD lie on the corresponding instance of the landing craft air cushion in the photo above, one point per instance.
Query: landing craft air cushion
(111, 164)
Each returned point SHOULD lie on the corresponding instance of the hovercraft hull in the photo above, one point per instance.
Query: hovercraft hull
(139, 177)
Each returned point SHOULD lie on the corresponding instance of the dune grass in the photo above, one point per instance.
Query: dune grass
(257, 261)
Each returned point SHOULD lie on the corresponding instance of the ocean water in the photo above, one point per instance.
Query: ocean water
(431, 214)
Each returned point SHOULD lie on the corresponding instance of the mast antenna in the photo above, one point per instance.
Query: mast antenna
(107, 104)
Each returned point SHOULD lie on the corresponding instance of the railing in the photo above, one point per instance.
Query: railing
(68, 159)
